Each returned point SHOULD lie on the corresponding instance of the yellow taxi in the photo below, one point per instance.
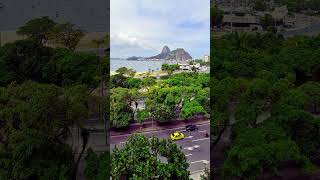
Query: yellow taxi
(176, 136)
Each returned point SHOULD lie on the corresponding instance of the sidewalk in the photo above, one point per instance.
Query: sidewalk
(197, 175)
(147, 127)
(94, 126)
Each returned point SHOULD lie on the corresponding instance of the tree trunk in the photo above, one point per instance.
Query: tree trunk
(216, 141)
(85, 137)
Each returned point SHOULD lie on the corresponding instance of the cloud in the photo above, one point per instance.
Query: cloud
(143, 27)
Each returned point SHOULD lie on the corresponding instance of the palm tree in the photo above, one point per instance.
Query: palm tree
(240, 40)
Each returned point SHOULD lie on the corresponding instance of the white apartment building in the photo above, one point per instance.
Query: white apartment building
(206, 58)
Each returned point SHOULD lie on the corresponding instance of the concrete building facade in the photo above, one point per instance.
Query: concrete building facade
(206, 58)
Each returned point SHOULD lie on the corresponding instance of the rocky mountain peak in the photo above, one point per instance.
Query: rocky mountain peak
(179, 54)
(165, 50)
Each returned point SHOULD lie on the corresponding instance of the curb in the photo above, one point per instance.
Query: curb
(207, 122)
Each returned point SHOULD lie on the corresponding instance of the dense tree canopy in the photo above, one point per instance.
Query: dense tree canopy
(265, 89)
(216, 16)
(44, 91)
(35, 120)
(179, 95)
(67, 35)
(37, 29)
(121, 113)
(25, 60)
(139, 159)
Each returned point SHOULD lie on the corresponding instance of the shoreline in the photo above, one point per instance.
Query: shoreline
(144, 73)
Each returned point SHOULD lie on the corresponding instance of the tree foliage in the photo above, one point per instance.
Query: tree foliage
(139, 159)
(35, 121)
(265, 89)
(67, 35)
(37, 29)
(97, 166)
(121, 113)
(44, 91)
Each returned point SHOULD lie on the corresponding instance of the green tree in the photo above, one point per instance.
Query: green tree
(118, 80)
(138, 159)
(260, 5)
(67, 35)
(261, 91)
(142, 115)
(267, 21)
(121, 113)
(163, 103)
(169, 68)
(191, 108)
(37, 29)
(312, 92)
(216, 16)
(132, 83)
(122, 70)
(97, 167)
(147, 82)
(67, 68)
(23, 60)
(35, 121)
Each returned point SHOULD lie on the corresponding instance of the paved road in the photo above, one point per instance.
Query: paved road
(195, 146)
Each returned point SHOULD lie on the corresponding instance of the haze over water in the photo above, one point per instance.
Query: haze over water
(139, 66)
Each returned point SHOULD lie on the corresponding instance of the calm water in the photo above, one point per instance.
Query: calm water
(139, 66)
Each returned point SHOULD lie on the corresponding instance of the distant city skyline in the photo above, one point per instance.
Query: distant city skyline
(143, 27)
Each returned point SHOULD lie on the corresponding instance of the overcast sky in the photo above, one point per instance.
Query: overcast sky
(143, 27)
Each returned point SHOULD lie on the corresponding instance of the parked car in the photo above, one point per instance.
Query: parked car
(191, 128)
(176, 136)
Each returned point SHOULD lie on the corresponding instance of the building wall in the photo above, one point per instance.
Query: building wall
(89, 15)
(206, 58)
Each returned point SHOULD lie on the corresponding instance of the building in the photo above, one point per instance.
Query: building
(188, 67)
(206, 58)
(242, 22)
(185, 67)
(242, 17)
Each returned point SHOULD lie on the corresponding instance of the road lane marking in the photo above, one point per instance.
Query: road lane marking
(122, 142)
(200, 161)
(196, 162)
(192, 147)
(188, 155)
(199, 139)
(189, 137)
(193, 172)
(202, 131)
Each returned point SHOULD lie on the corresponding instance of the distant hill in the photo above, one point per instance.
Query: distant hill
(134, 58)
(179, 54)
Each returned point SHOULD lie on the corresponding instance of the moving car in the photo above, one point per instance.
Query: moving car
(191, 128)
(176, 136)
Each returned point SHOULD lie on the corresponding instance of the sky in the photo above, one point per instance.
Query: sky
(143, 27)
